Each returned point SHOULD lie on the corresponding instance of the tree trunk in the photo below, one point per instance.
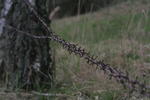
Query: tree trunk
(25, 62)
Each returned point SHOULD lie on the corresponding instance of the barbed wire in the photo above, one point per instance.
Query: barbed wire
(121, 77)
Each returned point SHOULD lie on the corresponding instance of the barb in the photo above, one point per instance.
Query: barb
(121, 77)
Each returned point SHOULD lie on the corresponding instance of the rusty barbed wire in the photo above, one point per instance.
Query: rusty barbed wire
(121, 77)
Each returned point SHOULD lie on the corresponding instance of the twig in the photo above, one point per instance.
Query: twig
(53, 13)
(33, 93)
(49, 94)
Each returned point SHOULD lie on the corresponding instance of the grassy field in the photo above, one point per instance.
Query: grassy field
(119, 34)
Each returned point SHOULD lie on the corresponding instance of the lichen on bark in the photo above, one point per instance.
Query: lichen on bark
(27, 62)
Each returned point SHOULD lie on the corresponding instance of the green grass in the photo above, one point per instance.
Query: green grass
(118, 37)
(91, 31)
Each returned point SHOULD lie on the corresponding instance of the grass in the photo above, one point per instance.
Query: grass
(118, 36)
(91, 31)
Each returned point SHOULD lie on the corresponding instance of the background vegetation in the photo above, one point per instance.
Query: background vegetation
(74, 7)
(119, 34)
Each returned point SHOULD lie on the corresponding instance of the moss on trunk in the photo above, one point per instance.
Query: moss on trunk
(27, 62)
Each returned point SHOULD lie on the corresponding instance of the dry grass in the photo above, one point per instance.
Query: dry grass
(126, 51)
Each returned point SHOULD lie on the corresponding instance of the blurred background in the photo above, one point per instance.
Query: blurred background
(118, 31)
(75, 7)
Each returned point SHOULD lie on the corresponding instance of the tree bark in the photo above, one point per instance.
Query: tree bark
(25, 62)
